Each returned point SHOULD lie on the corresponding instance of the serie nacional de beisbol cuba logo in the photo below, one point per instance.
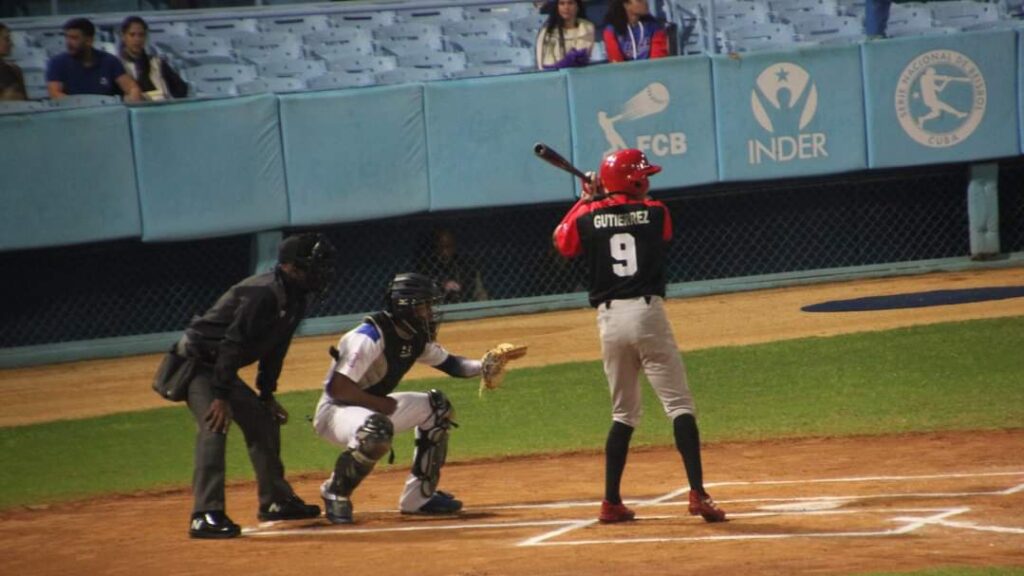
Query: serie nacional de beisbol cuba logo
(784, 100)
(940, 98)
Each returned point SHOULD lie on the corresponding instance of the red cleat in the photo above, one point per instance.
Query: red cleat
(613, 513)
(702, 505)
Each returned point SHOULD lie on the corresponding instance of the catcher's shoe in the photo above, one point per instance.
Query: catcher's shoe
(338, 510)
(291, 509)
(614, 513)
(702, 505)
(213, 524)
(440, 503)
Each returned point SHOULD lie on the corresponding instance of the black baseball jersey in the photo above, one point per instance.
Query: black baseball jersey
(623, 240)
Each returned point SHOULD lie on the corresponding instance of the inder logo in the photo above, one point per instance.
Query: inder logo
(940, 98)
(653, 99)
(784, 101)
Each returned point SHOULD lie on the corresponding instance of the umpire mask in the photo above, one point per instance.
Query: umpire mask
(314, 255)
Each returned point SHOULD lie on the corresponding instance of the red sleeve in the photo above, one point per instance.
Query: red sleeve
(567, 235)
(611, 46)
(666, 230)
(659, 44)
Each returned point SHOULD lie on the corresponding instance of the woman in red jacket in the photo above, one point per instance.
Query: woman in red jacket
(631, 33)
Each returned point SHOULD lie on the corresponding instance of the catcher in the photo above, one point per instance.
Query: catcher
(359, 412)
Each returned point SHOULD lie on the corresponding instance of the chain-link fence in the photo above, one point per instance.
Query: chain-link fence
(722, 231)
(1011, 205)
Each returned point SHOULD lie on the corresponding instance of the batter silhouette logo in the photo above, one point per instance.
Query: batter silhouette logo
(784, 101)
(940, 98)
(653, 99)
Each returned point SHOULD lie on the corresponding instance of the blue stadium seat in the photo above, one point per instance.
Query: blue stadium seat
(224, 28)
(819, 26)
(759, 37)
(85, 101)
(480, 28)
(408, 31)
(410, 75)
(524, 58)
(342, 51)
(160, 29)
(21, 39)
(52, 43)
(305, 69)
(365, 21)
(404, 47)
(338, 37)
(21, 106)
(30, 58)
(736, 14)
(261, 85)
(431, 15)
(472, 44)
(340, 80)
(213, 89)
(298, 25)
(527, 27)
(259, 55)
(447, 61)
(852, 8)
(198, 50)
(786, 10)
(485, 70)
(371, 64)
(233, 73)
(963, 13)
(508, 12)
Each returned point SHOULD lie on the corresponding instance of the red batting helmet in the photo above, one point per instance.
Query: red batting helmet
(626, 171)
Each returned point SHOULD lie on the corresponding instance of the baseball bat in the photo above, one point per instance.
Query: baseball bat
(555, 159)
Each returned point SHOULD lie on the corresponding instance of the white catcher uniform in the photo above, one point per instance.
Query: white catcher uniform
(362, 358)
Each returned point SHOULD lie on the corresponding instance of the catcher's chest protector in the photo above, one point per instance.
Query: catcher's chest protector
(399, 353)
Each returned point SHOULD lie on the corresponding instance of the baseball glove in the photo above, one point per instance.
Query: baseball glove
(492, 372)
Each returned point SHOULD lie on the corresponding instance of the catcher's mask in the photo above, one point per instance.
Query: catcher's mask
(314, 255)
(412, 301)
(626, 172)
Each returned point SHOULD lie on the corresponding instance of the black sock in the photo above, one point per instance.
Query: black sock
(615, 451)
(684, 428)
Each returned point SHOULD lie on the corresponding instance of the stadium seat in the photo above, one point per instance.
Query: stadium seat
(480, 28)
(338, 37)
(737, 14)
(786, 10)
(524, 58)
(409, 75)
(160, 29)
(85, 101)
(471, 44)
(233, 73)
(852, 8)
(963, 13)
(304, 69)
(507, 12)
(816, 26)
(527, 27)
(431, 15)
(371, 64)
(198, 50)
(339, 80)
(298, 25)
(30, 58)
(53, 44)
(365, 21)
(213, 89)
(21, 106)
(224, 28)
(447, 61)
(759, 37)
(21, 39)
(258, 55)
(343, 51)
(409, 31)
(405, 47)
(261, 85)
(485, 70)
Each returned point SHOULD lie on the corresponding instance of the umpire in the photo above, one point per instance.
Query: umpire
(253, 321)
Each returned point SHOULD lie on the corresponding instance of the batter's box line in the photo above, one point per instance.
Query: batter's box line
(911, 525)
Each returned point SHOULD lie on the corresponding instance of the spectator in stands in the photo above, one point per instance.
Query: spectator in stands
(156, 79)
(631, 33)
(86, 70)
(876, 17)
(12, 81)
(459, 280)
(567, 38)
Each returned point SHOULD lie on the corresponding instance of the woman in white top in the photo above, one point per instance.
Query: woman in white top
(156, 79)
(567, 38)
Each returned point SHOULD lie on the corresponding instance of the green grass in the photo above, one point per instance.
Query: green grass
(942, 377)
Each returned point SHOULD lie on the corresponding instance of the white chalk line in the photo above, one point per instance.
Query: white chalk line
(336, 530)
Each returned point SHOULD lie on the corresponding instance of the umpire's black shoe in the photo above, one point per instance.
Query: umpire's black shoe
(213, 524)
(291, 509)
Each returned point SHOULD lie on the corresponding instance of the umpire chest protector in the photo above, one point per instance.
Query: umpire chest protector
(399, 353)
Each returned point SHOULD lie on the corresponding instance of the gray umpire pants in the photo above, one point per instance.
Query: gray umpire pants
(262, 437)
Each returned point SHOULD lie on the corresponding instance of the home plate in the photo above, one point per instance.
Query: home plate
(805, 506)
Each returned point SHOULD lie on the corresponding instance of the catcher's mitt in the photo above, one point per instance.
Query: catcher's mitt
(492, 372)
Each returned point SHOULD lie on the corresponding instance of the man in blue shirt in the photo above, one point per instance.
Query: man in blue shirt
(85, 70)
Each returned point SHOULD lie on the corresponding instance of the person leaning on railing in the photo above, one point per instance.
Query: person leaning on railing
(155, 77)
(567, 38)
(631, 33)
(12, 81)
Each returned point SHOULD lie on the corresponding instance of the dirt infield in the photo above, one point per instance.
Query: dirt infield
(810, 506)
(817, 506)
